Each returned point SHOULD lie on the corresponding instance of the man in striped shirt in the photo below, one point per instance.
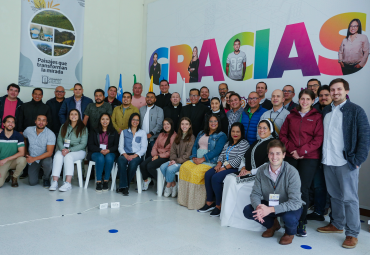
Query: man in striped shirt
(11, 152)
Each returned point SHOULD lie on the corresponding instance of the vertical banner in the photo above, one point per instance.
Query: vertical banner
(51, 43)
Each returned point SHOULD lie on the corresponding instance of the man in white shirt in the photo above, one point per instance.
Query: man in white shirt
(236, 63)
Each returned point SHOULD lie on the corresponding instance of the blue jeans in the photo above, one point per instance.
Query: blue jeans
(127, 170)
(320, 194)
(169, 172)
(103, 162)
(290, 218)
(215, 183)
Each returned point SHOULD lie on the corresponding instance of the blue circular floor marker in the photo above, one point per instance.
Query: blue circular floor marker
(362, 221)
(306, 247)
(113, 231)
(60, 200)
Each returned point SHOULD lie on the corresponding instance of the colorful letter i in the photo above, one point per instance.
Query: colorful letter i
(261, 55)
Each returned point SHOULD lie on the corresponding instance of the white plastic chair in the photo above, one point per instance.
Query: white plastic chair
(139, 180)
(78, 163)
(161, 180)
(113, 173)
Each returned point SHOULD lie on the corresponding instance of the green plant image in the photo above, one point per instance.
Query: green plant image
(53, 19)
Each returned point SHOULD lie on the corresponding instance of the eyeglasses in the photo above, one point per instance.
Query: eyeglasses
(288, 91)
(135, 120)
(262, 128)
(355, 26)
(311, 86)
(253, 98)
(213, 121)
(58, 91)
(194, 96)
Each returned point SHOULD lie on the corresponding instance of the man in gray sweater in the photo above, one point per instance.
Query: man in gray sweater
(279, 186)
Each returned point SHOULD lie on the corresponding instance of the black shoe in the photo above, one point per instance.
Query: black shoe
(125, 191)
(23, 176)
(315, 216)
(215, 212)
(98, 187)
(46, 184)
(105, 186)
(119, 190)
(207, 208)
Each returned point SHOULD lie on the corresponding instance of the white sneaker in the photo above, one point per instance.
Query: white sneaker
(53, 186)
(146, 184)
(174, 191)
(167, 191)
(66, 186)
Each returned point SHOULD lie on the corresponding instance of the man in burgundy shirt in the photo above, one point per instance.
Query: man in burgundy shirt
(10, 103)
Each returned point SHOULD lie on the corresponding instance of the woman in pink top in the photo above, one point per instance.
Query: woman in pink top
(160, 153)
(354, 50)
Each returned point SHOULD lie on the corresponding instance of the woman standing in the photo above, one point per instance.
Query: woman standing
(206, 149)
(160, 153)
(354, 50)
(216, 109)
(228, 162)
(180, 152)
(72, 141)
(193, 66)
(302, 133)
(132, 146)
(103, 150)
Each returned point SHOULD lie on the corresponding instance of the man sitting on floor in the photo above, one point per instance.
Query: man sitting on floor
(279, 185)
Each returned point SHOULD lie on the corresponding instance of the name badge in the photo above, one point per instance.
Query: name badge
(67, 143)
(103, 146)
(274, 199)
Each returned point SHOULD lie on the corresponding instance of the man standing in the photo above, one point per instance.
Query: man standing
(204, 97)
(261, 89)
(236, 63)
(155, 70)
(251, 116)
(138, 100)
(10, 104)
(93, 111)
(195, 112)
(77, 101)
(151, 118)
(236, 109)
(346, 147)
(164, 99)
(222, 90)
(278, 113)
(112, 97)
(55, 104)
(276, 193)
(324, 98)
(11, 152)
(314, 85)
(173, 111)
(41, 142)
(122, 113)
(288, 96)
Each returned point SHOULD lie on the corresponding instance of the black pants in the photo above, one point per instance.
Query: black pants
(307, 169)
(148, 168)
(350, 69)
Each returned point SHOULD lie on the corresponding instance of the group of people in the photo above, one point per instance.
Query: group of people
(259, 162)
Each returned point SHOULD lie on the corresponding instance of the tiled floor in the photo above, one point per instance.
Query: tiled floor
(156, 225)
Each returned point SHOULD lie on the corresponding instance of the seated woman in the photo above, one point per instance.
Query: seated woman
(160, 153)
(236, 193)
(228, 162)
(103, 150)
(132, 146)
(180, 152)
(206, 149)
(72, 141)
(216, 108)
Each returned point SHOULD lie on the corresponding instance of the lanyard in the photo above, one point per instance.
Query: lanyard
(228, 151)
(273, 121)
(70, 133)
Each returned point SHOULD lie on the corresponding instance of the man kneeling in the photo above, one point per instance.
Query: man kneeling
(279, 186)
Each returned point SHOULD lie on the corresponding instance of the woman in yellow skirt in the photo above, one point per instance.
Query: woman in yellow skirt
(206, 149)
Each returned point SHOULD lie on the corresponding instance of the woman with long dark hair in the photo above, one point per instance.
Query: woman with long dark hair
(303, 133)
(216, 108)
(354, 49)
(103, 150)
(160, 153)
(228, 108)
(193, 66)
(72, 141)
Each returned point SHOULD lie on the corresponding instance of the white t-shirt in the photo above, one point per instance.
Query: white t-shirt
(146, 120)
(236, 65)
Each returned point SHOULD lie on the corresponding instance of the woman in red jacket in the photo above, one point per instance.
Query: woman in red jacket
(303, 133)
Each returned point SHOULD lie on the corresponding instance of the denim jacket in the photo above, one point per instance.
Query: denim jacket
(216, 143)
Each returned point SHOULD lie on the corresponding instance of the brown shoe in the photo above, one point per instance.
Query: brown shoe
(329, 229)
(10, 175)
(286, 239)
(14, 182)
(350, 242)
(271, 231)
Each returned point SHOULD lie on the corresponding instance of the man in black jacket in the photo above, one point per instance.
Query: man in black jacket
(55, 104)
(173, 111)
(261, 89)
(112, 97)
(164, 99)
(195, 112)
(7, 101)
(289, 94)
(324, 98)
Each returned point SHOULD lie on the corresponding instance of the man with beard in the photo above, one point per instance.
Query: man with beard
(93, 111)
(10, 104)
(11, 152)
(55, 104)
(111, 98)
(222, 90)
(41, 141)
(173, 111)
(121, 114)
(324, 98)
(155, 69)
(204, 97)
